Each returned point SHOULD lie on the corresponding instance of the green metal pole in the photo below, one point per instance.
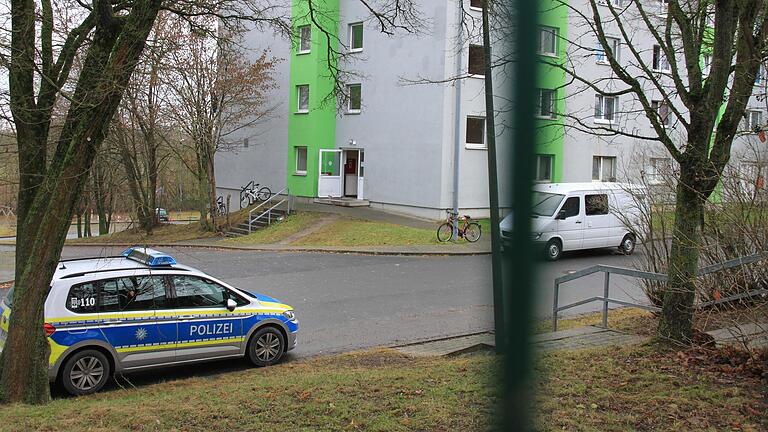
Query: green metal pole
(519, 260)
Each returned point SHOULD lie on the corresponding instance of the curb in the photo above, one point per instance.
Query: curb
(359, 251)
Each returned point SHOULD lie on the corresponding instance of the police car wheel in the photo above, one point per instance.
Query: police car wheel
(85, 372)
(266, 347)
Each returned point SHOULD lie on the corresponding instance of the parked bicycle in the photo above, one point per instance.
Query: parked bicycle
(221, 208)
(252, 193)
(466, 228)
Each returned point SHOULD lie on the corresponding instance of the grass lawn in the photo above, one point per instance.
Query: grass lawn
(166, 233)
(358, 232)
(609, 389)
(293, 223)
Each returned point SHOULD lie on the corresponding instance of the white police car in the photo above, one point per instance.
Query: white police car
(143, 310)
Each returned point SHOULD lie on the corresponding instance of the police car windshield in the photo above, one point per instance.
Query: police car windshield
(545, 204)
(9, 298)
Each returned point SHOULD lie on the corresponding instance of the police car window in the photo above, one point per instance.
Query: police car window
(195, 292)
(133, 294)
(83, 298)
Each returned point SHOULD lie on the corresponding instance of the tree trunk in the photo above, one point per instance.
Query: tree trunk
(676, 320)
(211, 180)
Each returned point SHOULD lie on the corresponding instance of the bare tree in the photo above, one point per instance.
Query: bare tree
(705, 103)
(216, 92)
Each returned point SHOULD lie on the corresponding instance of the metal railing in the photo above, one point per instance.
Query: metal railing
(268, 212)
(608, 270)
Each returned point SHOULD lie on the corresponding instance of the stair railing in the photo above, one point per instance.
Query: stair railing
(268, 212)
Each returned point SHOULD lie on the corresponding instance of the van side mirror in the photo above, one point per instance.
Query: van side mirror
(560, 215)
(231, 305)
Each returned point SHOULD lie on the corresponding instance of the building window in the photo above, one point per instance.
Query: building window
(545, 107)
(658, 170)
(305, 39)
(662, 110)
(354, 103)
(476, 4)
(760, 75)
(356, 37)
(301, 160)
(707, 65)
(663, 6)
(476, 60)
(660, 61)
(600, 52)
(303, 98)
(475, 132)
(753, 120)
(604, 168)
(245, 142)
(547, 41)
(605, 108)
(615, 3)
(544, 168)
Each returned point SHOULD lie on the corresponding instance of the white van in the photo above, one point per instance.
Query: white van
(573, 216)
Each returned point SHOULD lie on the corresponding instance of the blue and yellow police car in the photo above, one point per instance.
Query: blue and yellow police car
(143, 310)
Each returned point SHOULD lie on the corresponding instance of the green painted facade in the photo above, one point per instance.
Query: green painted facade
(315, 129)
(550, 133)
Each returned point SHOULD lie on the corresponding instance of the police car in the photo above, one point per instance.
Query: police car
(142, 310)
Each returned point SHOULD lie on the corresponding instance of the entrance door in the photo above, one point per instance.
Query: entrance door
(360, 174)
(329, 177)
(351, 170)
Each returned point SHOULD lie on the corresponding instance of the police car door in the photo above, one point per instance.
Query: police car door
(206, 328)
(129, 320)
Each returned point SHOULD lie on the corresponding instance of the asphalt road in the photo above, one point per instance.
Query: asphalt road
(347, 302)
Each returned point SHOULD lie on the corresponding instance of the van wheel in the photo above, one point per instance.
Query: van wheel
(627, 246)
(85, 372)
(554, 250)
(266, 347)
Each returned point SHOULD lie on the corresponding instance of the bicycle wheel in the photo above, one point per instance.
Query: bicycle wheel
(444, 232)
(263, 194)
(245, 201)
(472, 233)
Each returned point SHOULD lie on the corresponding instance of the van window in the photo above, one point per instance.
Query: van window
(545, 204)
(596, 204)
(132, 294)
(572, 207)
(83, 298)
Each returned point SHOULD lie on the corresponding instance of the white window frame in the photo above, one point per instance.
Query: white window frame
(601, 55)
(552, 110)
(602, 103)
(296, 170)
(349, 98)
(663, 60)
(475, 8)
(655, 174)
(749, 121)
(760, 77)
(657, 105)
(352, 36)
(615, 3)
(301, 39)
(551, 158)
(663, 6)
(299, 109)
(600, 169)
(706, 65)
(469, 61)
(556, 34)
(475, 146)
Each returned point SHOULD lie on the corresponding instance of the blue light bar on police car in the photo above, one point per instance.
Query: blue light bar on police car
(149, 256)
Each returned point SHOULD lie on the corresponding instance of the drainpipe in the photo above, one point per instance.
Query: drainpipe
(457, 119)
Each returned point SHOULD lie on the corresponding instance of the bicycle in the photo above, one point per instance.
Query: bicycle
(221, 209)
(469, 230)
(251, 193)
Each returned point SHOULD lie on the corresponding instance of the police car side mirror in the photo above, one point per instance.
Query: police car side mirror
(231, 305)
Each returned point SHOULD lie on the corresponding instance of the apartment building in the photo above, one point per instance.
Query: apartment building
(404, 124)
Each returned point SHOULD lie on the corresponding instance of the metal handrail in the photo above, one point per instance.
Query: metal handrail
(605, 299)
(251, 219)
